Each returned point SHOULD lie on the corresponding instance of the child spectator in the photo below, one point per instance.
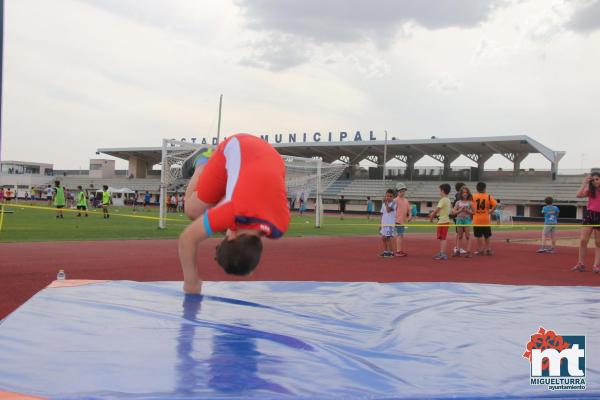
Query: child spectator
(370, 207)
(180, 203)
(498, 212)
(463, 210)
(147, 198)
(414, 211)
(173, 203)
(302, 207)
(403, 216)
(484, 205)
(342, 206)
(49, 195)
(388, 217)
(92, 198)
(550, 213)
(442, 212)
(135, 200)
(590, 188)
(458, 186)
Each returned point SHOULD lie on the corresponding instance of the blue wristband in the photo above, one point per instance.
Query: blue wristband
(207, 229)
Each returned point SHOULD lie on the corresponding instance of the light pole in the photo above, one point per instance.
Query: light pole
(384, 156)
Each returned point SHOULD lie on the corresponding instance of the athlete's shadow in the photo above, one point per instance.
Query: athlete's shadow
(234, 361)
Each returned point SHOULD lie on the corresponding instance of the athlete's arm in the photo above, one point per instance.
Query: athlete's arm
(188, 245)
(583, 190)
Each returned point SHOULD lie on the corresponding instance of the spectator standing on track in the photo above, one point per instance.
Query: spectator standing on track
(388, 218)
(403, 216)
(484, 205)
(442, 212)
(106, 201)
(463, 212)
(498, 212)
(458, 186)
(590, 188)
(81, 202)
(59, 199)
(342, 206)
(370, 207)
(550, 213)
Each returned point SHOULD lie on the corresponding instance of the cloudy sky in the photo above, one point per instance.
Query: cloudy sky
(84, 74)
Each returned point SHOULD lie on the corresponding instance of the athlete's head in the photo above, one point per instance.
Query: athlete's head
(548, 200)
(481, 187)
(239, 254)
(79, 187)
(57, 183)
(458, 185)
(104, 187)
(594, 185)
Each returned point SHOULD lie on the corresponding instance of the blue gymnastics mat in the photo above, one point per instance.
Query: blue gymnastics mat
(308, 340)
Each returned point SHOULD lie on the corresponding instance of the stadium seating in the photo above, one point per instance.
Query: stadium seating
(510, 192)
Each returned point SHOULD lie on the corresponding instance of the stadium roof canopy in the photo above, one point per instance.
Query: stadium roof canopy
(445, 150)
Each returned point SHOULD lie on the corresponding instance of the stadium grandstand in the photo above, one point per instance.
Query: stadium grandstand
(521, 191)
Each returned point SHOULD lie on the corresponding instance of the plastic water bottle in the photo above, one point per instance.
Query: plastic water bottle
(61, 276)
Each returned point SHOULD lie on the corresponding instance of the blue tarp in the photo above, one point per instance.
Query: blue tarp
(305, 340)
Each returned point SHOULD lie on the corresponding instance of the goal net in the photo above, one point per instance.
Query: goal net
(306, 178)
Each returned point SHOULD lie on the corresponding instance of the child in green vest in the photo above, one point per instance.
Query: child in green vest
(105, 201)
(81, 201)
(59, 199)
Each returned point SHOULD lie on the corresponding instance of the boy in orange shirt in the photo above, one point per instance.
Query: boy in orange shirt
(484, 205)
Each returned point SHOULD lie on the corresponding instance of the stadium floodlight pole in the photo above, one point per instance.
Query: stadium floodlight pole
(384, 156)
(219, 122)
(163, 189)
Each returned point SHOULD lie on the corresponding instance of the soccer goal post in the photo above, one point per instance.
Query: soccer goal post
(306, 178)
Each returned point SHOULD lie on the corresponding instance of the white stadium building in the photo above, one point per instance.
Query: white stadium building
(521, 191)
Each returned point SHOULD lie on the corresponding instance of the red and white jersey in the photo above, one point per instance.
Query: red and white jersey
(245, 178)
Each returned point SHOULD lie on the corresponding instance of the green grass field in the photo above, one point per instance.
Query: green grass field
(40, 225)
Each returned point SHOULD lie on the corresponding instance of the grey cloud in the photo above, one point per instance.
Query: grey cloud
(587, 18)
(355, 20)
(276, 53)
(174, 16)
(313, 22)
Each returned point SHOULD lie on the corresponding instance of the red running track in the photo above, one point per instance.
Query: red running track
(26, 268)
